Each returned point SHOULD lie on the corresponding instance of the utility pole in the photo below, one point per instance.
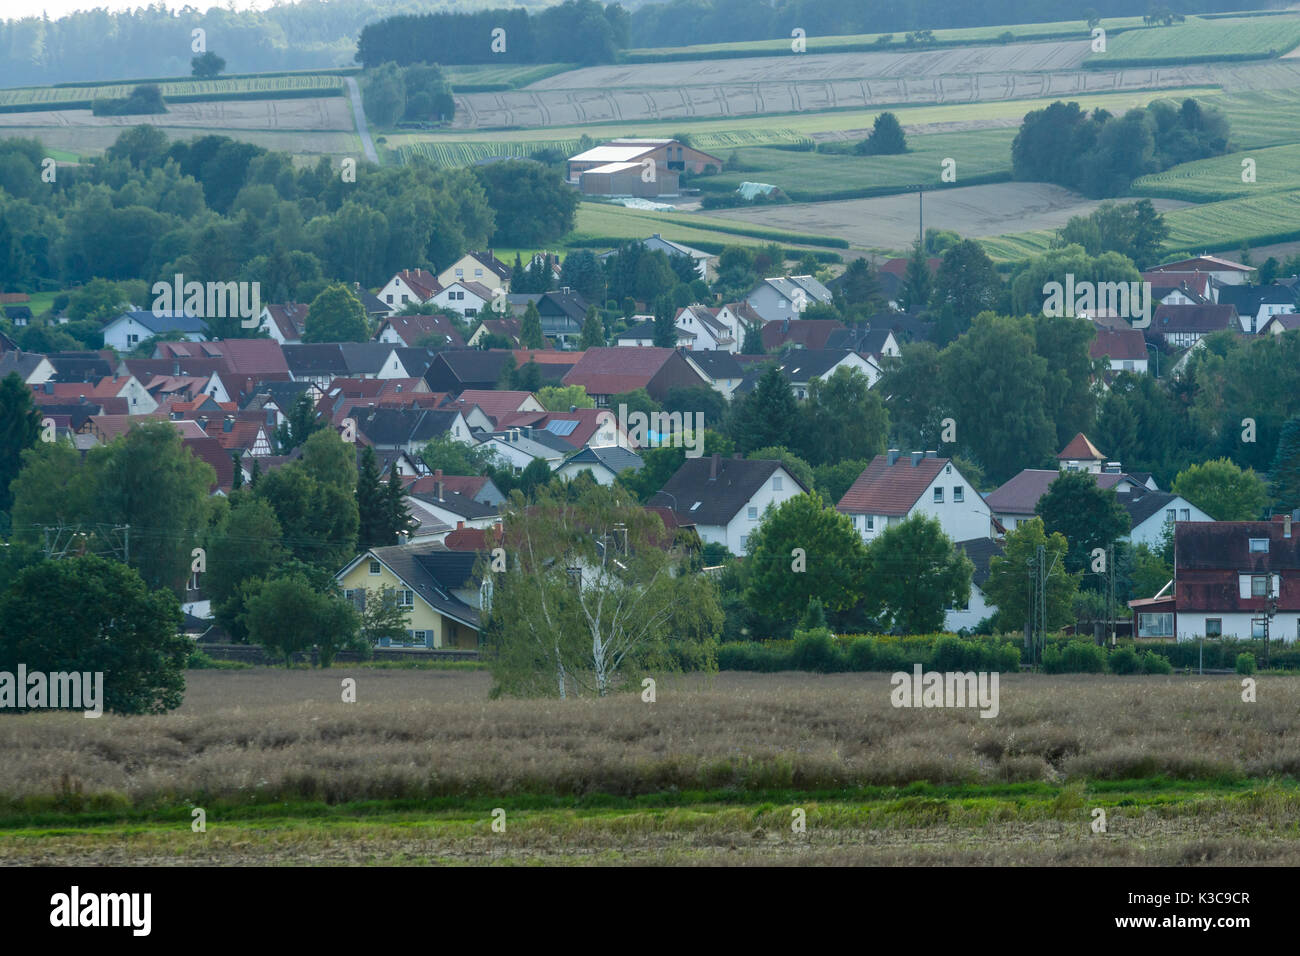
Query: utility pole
(1110, 595)
(126, 543)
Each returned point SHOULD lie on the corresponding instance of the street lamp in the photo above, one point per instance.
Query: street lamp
(1157, 351)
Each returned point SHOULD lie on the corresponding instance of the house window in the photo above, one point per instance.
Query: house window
(1128, 366)
(1171, 514)
(1185, 514)
(1259, 585)
(1258, 626)
(753, 513)
(374, 567)
(744, 542)
(938, 496)
(478, 273)
(871, 522)
(958, 494)
(405, 298)
(1214, 627)
(776, 483)
(405, 597)
(1155, 625)
(1258, 545)
(389, 297)
(460, 273)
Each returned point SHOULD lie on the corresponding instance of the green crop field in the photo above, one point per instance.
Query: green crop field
(450, 154)
(829, 44)
(1261, 117)
(505, 77)
(812, 177)
(55, 98)
(1198, 39)
(605, 221)
(1211, 227)
(1277, 169)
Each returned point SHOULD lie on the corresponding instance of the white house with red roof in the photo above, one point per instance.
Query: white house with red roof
(466, 298)
(705, 330)
(410, 330)
(895, 487)
(494, 405)
(408, 287)
(1224, 270)
(1124, 349)
(284, 322)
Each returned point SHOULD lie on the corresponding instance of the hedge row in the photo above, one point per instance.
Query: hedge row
(1138, 62)
(817, 650)
(61, 105)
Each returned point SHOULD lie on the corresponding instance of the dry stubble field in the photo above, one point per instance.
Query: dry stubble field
(708, 774)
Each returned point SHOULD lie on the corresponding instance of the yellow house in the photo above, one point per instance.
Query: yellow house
(436, 585)
(481, 267)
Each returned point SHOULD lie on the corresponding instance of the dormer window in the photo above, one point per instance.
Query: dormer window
(1259, 545)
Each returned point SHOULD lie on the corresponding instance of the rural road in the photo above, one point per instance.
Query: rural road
(360, 114)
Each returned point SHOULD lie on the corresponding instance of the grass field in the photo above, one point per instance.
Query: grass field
(1262, 219)
(813, 177)
(708, 774)
(1197, 39)
(506, 77)
(1261, 117)
(53, 97)
(818, 44)
(608, 222)
(1277, 169)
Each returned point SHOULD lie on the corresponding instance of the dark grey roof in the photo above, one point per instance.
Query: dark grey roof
(365, 358)
(716, 363)
(1142, 504)
(469, 368)
(869, 341)
(704, 501)
(463, 505)
(406, 562)
(1248, 298)
(159, 322)
(981, 551)
(24, 363)
(371, 302)
(614, 457)
(79, 366)
(284, 394)
(797, 365)
(642, 330)
(391, 427)
(416, 361)
(315, 359)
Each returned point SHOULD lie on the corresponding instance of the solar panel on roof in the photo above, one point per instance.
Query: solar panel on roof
(561, 427)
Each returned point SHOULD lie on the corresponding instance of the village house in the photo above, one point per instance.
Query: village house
(1124, 349)
(410, 330)
(720, 369)
(1183, 325)
(895, 487)
(801, 366)
(1224, 271)
(562, 311)
(408, 287)
(464, 297)
(706, 331)
(481, 267)
(434, 584)
(981, 552)
(284, 322)
(725, 498)
(508, 329)
(129, 329)
(1255, 305)
(1231, 579)
(604, 463)
(605, 372)
(657, 243)
(786, 297)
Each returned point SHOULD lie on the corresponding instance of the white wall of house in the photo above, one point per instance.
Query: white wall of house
(446, 515)
(961, 520)
(572, 469)
(771, 305)
(1192, 625)
(780, 486)
(1151, 531)
(462, 301)
(976, 610)
(138, 399)
(1137, 366)
(124, 333)
(397, 294)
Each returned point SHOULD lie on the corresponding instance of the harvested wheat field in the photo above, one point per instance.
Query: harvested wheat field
(713, 772)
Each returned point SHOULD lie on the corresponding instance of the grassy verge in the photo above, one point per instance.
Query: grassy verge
(609, 223)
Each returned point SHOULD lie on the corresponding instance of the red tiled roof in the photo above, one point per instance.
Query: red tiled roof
(1119, 345)
(1194, 318)
(1020, 494)
(898, 267)
(608, 371)
(546, 356)
(210, 450)
(422, 282)
(1080, 449)
(260, 357)
(467, 485)
(412, 328)
(1197, 283)
(810, 333)
(289, 318)
(890, 490)
(1202, 263)
(495, 405)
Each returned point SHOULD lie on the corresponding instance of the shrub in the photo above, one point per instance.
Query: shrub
(1080, 657)
(1245, 663)
(948, 655)
(1153, 663)
(861, 654)
(1052, 660)
(1123, 660)
(815, 650)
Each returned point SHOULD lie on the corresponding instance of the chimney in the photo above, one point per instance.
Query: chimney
(228, 425)
(916, 458)
(573, 408)
(437, 484)
(932, 454)
(460, 526)
(891, 457)
(1286, 525)
(713, 466)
